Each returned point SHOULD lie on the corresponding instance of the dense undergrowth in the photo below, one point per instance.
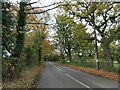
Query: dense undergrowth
(28, 78)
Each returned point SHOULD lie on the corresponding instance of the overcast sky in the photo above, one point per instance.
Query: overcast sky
(44, 2)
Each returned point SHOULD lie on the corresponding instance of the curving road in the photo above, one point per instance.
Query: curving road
(57, 76)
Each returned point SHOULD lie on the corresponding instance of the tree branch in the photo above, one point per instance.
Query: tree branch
(51, 5)
(48, 9)
(39, 23)
(45, 6)
(32, 3)
(44, 11)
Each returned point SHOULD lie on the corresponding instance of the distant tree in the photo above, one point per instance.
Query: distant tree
(64, 34)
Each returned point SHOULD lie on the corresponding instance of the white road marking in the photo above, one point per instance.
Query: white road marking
(57, 68)
(50, 63)
(54, 66)
(77, 81)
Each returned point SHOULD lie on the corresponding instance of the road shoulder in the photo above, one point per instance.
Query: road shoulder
(108, 75)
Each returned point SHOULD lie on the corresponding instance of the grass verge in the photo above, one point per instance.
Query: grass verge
(27, 79)
(94, 71)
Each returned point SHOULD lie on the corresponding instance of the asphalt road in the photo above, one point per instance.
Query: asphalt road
(57, 76)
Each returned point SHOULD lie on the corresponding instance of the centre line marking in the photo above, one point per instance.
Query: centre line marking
(54, 66)
(50, 63)
(59, 69)
(78, 81)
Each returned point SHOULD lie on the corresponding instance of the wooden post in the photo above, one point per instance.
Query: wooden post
(96, 51)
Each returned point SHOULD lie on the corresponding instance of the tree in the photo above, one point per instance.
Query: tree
(8, 39)
(102, 16)
(64, 34)
(82, 42)
(14, 38)
(72, 37)
(7, 25)
(33, 44)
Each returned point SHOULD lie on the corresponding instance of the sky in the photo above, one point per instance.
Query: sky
(44, 2)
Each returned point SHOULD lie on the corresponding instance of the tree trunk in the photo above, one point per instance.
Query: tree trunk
(69, 53)
(39, 54)
(96, 51)
(20, 30)
(106, 48)
(20, 37)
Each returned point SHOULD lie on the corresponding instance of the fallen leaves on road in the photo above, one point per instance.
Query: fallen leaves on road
(102, 73)
(26, 80)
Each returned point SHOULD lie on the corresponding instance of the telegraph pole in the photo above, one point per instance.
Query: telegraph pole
(96, 51)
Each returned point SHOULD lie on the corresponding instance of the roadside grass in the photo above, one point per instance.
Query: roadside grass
(102, 65)
(92, 70)
(27, 78)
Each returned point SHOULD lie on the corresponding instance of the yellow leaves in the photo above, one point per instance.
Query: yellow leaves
(116, 7)
(21, 32)
(43, 28)
(14, 7)
(84, 14)
(47, 48)
(79, 31)
(14, 32)
(13, 11)
(80, 34)
(92, 8)
(64, 19)
(102, 6)
(66, 8)
(30, 18)
(46, 44)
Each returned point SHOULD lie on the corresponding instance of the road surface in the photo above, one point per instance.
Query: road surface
(58, 76)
